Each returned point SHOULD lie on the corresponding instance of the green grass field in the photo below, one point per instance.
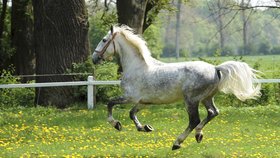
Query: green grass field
(76, 132)
(241, 129)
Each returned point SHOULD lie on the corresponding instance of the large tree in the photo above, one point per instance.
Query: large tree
(22, 37)
(2, 17)
(3, 51)
(61, 39)
(178, 26)
(132, 13)
(139, 14)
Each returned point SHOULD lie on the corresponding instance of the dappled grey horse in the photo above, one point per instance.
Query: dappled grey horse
(146, 80)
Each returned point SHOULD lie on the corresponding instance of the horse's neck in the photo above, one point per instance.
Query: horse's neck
(130, 59)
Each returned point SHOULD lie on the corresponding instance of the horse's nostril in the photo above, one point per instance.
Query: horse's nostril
(97, 59)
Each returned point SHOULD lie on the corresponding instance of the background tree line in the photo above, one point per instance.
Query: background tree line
(52, 38)
(226, 27)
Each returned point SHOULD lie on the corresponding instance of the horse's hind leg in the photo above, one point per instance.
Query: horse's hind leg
(212, 112)
(192, 109)
(139, 126)
(110, 106)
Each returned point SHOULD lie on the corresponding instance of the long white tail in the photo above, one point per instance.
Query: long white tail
(238, 78)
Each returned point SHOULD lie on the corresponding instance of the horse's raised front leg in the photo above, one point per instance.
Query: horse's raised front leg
(212, 112)
(111, 104)
(139, 126)
(192, 109)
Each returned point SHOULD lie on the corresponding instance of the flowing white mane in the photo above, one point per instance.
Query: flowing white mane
(136, 40)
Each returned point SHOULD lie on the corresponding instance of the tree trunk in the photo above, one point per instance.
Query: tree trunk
(167, 30)
(61, 39)
(22, 37)
(132, 13)
(3, 56)
(177, 41)
(2, 18)
(221, 25)
(245, 27)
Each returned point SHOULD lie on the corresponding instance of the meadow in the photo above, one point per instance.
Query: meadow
(78, 132)
(249, 129)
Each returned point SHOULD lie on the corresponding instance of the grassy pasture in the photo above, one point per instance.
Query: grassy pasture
(238, 131)
(76, 132)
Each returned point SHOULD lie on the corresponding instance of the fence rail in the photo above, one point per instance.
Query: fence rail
(268, 80)
(90, 83)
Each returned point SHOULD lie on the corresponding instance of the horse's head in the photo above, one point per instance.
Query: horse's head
(106, 48)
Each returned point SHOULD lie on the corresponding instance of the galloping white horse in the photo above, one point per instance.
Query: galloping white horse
(146, 80)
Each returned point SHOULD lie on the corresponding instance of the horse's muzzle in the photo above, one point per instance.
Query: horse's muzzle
(96, 59)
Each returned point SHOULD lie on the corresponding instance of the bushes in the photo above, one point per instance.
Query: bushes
(26, 96)
(105, 71)
(15, 96)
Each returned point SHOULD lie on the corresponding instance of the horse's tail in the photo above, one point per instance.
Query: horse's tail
(238, 78)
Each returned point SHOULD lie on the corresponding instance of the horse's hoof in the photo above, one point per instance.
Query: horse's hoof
(198, 137)
(118, 126)
(148, 128)
(175, 147)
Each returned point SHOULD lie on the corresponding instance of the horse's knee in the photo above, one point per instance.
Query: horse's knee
(217, 112)
(212, 113)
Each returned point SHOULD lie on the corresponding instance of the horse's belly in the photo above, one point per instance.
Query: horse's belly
(163, 91)
(163, 97)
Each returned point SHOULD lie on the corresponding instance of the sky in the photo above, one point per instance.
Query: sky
(262, 2)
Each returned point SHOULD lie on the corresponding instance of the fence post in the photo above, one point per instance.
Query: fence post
(90, 92)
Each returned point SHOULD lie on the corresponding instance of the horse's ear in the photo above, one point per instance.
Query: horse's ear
(112, 29)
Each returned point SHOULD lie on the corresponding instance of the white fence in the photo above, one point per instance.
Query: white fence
(90, 83)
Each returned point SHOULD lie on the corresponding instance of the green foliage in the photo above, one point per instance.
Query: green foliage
(104, 72)
(15, 96)
(264, 48)
(184, 53)
(275, 50)
(199, 33)
(153, 37)
(168, 51)
(100, 24)
(107, 71)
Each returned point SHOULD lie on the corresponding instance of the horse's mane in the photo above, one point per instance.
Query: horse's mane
(136, 40)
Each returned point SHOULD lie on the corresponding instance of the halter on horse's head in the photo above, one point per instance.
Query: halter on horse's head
(106, 47)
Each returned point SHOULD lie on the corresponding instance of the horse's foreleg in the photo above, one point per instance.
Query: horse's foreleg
(139, 126)
(212, 112)
(110, 106)
(192, 109)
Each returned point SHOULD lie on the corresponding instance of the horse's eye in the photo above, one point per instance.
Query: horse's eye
(104, 40)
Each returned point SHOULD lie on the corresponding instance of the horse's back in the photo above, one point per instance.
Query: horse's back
(171, 82)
